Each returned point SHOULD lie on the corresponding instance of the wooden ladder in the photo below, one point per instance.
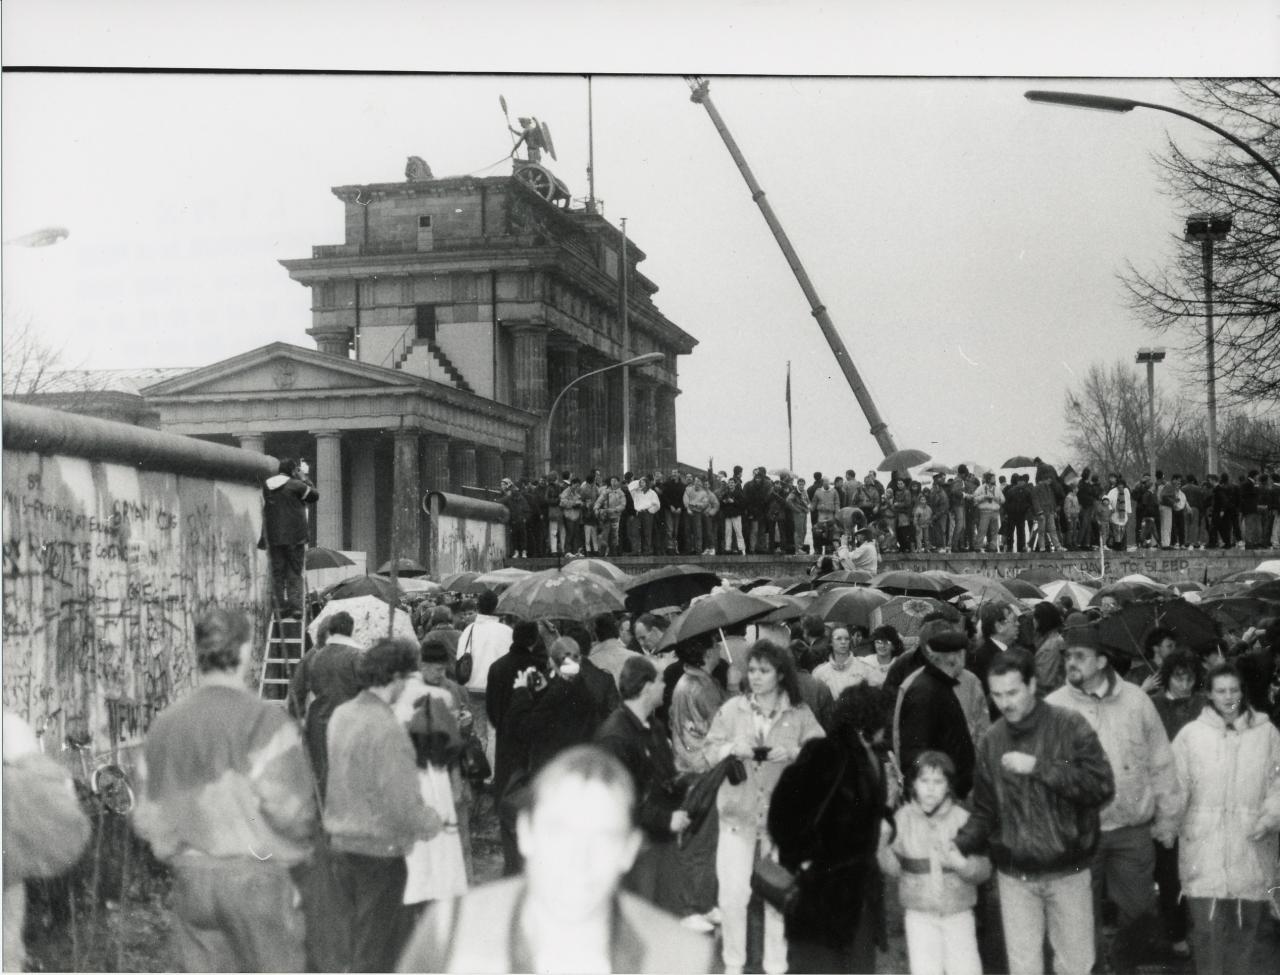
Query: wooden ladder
(286, 643)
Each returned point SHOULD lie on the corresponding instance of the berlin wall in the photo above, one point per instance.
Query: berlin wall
(116, 539)
(467, 534)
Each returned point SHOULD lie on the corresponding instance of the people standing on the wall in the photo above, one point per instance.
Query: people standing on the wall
(285, 532)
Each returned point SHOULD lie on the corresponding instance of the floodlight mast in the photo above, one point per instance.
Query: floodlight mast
(879, 429)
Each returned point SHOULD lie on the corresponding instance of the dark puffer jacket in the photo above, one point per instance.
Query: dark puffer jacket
(1046, 821)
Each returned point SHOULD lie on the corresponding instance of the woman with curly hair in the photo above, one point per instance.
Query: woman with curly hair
(765, 727)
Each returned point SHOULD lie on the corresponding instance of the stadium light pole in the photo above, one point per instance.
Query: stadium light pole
(1151, 357)
(639, 360)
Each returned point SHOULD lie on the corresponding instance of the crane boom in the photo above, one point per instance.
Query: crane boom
(879, 429)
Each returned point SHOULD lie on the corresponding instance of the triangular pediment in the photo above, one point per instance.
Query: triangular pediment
(280, 368)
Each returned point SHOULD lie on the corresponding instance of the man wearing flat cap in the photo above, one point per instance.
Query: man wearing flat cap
(1146, 801)
(929, 716)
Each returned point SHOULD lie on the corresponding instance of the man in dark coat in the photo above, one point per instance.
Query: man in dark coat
(999, 627)
(639, 740)
(503, 671)
(285, 533)
(929, 715)
(330, 673)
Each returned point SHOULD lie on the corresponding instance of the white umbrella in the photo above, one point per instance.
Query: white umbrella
(1080, 594)
(412, 584)
(370, 616)
(1271, 565)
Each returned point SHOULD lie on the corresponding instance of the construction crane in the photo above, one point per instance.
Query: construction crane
(879, 429)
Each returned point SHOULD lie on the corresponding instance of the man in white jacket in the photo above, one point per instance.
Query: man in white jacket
(647, 504)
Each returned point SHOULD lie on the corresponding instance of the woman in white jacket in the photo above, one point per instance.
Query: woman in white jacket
(1228, 763)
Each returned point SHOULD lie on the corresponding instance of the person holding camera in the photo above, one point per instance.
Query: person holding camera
(285, 532)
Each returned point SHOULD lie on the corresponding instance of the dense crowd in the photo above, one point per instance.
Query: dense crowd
(720, 513)
(1004, 774)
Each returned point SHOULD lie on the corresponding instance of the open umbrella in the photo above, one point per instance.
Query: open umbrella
(715, 612)
(559, 595)
(900, 460)
(1239, 612)
(976, 469)
(902, 582)
(756, 583)
(459, 581)
(1270, 565)
(364, 586)
(404, 567)
(850, 605)
(1263, 590)
(597, 567)
(846, 577)
(1039, 576)
(369, 614)
(1069, 475)
(498, 580)
(1127, 630)
(906, 614)
(670, 585)
(1080, 594)
(790, 608)
(1019, 460)
(983, 589)
(946, 470)
(410, 585)
(1021, 588)
(1128, 592)
(326, 558)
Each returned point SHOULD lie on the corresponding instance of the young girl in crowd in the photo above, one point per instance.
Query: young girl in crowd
(921, 517)
(938, 886)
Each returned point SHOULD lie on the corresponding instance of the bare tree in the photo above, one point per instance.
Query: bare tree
(1108, 426)
(30, 366)
(1222, 179)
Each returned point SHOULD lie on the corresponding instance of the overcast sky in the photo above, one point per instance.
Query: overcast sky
(966, 242)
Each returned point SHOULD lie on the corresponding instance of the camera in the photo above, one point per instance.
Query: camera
(536, 680)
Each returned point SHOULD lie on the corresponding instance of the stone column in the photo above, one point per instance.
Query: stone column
(530, 367)
(256, 442)
(435, 464)
(488, 467)
(613, 429)
(462, 466)
(646, 426)
(329, 484)
(666, 425)
(562, 369)
(364, 521)
(406, 498)
(593, 416)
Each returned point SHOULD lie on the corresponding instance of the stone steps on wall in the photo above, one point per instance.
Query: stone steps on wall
(442, 361)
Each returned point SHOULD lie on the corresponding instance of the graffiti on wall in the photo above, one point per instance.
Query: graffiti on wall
(106, 568)
(469, 544)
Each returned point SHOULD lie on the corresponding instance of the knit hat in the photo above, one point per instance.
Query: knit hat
(434, 651)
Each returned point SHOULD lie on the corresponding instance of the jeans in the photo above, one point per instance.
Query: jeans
(736, 853)
(733, 535)
(1173, 909)
(235, 916)
(555, 536)
(988, 530)
(938, 944)
(609, 540)
(1126, 863)
(1228, 936)
(1063, 906)
(286, 577)
(590, 538)
(370, 890)
(693, 532)
(1166, 526)
(958, 538)
(645, 539)
(672, 518)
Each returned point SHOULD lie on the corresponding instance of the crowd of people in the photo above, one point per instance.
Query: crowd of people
(721, 513)
(1008, 774)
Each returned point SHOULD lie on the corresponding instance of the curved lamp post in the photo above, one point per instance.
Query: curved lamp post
(640, 360)
(1204, 229)
(1109, 103)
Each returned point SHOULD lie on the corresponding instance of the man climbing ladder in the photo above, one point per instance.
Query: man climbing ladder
(285, 530)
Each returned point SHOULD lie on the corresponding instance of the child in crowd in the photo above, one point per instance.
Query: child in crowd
(1071, 510)
(921, 518)
(938, 886)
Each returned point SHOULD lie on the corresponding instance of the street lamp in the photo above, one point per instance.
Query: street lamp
(1109, 103)
(1206, 229)
(1151, 357)
(640, 360)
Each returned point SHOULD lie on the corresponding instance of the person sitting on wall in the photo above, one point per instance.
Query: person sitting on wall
(285, 532)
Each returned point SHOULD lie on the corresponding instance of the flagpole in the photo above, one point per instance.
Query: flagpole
(791, 459)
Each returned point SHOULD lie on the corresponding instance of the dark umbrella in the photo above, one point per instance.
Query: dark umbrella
(853, 606)
(559, 595)
(789, 607)
(1127, 630)
(900, 460)
(846, 577)
(404, 567)
(798, 588)
(1019, 460)
(901, 582)
(1239, 612)
(459, 581)
(1264, 590)
(384, 589)
(326, 558)
(1128, 592)
(1021, 588)
(671, 585)
(715, 612)
(756, 583)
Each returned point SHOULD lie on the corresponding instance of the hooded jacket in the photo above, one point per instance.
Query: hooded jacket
(1045, 822)
(1231, 787)
(1133, 737)
(284, 519)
